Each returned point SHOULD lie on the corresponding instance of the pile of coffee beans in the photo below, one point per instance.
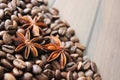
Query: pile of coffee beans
(13, 66)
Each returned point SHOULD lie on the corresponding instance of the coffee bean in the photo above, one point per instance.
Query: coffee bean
(64, 74)
(1, 72)
(10, 57)
(14, 17)
(62, 30)
(2, 54)
(29, 5)
(79, 65)
(28, 66)
(93, 67)
(47, 66)
(48, 73)
(96, 75)
(80, 74)
(34, 2)
(6, 63)
(20, 64)
(21, 30)
(1, 13)
(3, 5)
(44, 8)
(75, 75)
(3, 1)
(69, 76)
(26, 10)
(64, 39)
(73, 48)
(71, 66)
(47, 21)
(40, 63)
(17, 72)
(8, 48)
(19, 56)
(79, 52)
(81, 78)
(54, 11)
(43, 58)
(74, 39)
(97, 78)
(42, 77)
(35, 11)
(70, 32)
(27, 76)
(86, 65)
(2, 25)
(68, 44)
(89, 78)
(9, 76)
(89, 73)
(80, 46)
(7, 38)
(57, 74)
(36, 69)
(55, 65)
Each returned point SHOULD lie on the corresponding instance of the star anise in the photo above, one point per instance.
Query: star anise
(29, 23)
(58, 51)
(28, 44)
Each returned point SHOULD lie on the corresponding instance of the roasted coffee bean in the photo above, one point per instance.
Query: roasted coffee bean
(79, 52)
(54, 32)
(6, 63)
(42, 77)
(3, 1)
(48, 31)
(73, 48)
(44, 8)
(62, 25)
(8, 48)
(48, 73)
(79, 65)
(20, 10)
(29, 5)
(93, 67)
(43, 58)
(97, 78)
(96, 75)
(74, 56)
(1, 13)
(9, 76)
(85, 58)
(57, 74)
(3, 5)
(19, 56)
(47, 21)
(70, 32)
(7, 38)
(2, 54)
(14, 17)
(55, 65)
(1, 43)
(27, 76)
(74, 39)
(7, 22)
(1, 72)
(68, 44)
(64, 74)
(71, 66)
(36, 69)
(35, 11)
(26, 10)
(40, 63)
(47, 66)
(17, 72)
(62, 30)
(89, 78)
(75, 75)
(81, 78)
(69, 76)
(10, 57)
(89, 73)
(28, 66)
(54, 11)
(21, 30)
(80, 74)
(2, 32)
(80, 46)
(34, 2)
(2, 25)
(64, 39)
(86, 65)
(20, 64)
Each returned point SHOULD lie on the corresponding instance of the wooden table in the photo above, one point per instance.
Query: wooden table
(97, 24)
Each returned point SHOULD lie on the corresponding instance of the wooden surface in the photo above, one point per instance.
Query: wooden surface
(97, 24)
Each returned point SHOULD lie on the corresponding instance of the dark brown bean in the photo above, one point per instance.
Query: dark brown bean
(74, 39)
(73, 48)
(42, 77)
(7, 38)
(86, 65)
(55, 65)
(27, 76)
(14, 17)
(19, 64)
(17, 72)
(1, 72)
(54, 11)
(40, 63)
(43, 58)
(70, 32)
(19, 56)
(69, 76)
(80, 74)
(47, 66)
(62, 30)
(10, 57)
(71, 66)
(97, 78)
(81, 78)
(35, 11)
(93, 67)
(9, 76)
(75, 75)
(89, 73)
(57, 74)
(7, 22)
(80, 46)
(28, 66)
(26, 10)
(64, 74)
(36, 69)
(3, 5)
(6, 63)
(2, 54)
(48, 73)
(1, 13)
(8, 48)
(79, 65)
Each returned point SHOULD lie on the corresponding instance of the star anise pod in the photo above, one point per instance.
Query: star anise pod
(58, 51)
(34, 24)
(28, 44)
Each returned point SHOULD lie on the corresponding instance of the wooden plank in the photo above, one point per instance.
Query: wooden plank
(104, 47)
(80, 14)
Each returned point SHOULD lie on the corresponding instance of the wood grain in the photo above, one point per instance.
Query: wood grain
(104, 46)
(80, 14)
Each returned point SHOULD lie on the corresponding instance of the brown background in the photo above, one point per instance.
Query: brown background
(97, 24)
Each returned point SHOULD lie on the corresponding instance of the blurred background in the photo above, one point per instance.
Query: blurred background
(97, 24)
